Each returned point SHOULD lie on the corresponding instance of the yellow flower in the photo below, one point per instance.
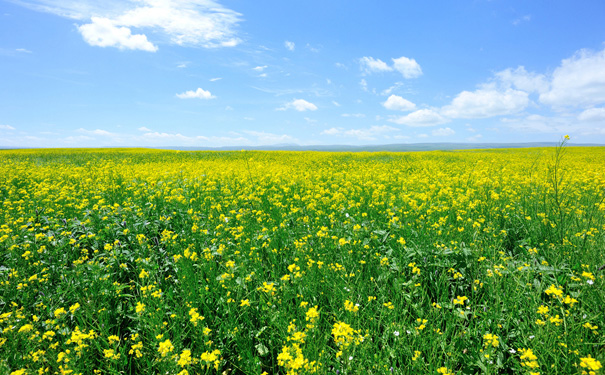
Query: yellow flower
(543, 310)
(195, 316)
(143, 274)
(491, 339)
(59, 312)
(554, 291)
(349, 306)
(590, 363)
(139, 308)
(245, 302)
(460, 300)
(185, 358)
(165, 348)
(74, 307)
(26, 328)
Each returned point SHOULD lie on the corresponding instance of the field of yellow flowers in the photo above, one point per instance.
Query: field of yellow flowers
(133, 261)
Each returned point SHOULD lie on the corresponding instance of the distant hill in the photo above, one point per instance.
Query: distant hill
(376, 148)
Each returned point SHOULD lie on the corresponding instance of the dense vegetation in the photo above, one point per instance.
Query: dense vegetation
(147, 261)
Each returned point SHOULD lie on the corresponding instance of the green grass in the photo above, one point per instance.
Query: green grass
(438, 262)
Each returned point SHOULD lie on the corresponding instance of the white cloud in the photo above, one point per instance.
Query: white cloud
(420, 118)
(539, 124)
(265, 138)
(100, 132)
(336, 104)
(592, 114)
(358, 115)
(474, 138)
(579, 80)
(6, 127)
(409, 68)
(364, 84)
(523, 80)
(199, 94)
(300, 105)
(484, 103)
(203, 23)
(289, 45)
(103, 33)
(372, 65)
(144, 129)
(443, 132)
(397, 103)
(363, 134)
(215, 79)
(23, 50)
(391, 89)
(259, 68)
(525, 18)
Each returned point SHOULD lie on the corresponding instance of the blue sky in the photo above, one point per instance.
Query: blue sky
(82, 73)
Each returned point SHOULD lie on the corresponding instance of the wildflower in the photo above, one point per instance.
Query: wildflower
(74, 307)
(528, 358)
(490, 339)
(111, 354)
(59, 312)
(543, 310)
(569, 301)
(245, 302)
(591, 364)
(113, 339)
(26, 328)
(185, 358)
(140, 307)
(460, 300)
(389, 305)
(165, 348)
(554, 291)
(349, 306)
(195, 316)
(143, 274)
(444, 371)
(416, 355)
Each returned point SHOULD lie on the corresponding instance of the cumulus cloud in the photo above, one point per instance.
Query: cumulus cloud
(484, 103)
(103, 33)
(289, 45)
(372, 65)
(408, 68)
(197, 94)
(579, 80)
(443, 132)
(259, 68)
(592, 114)
(100, 132)
(523, 80)
(300, 105)
(367, 134)
(397, 103)
(203, 23)
(420, 118)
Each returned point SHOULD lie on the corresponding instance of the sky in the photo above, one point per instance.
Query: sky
(201, 73)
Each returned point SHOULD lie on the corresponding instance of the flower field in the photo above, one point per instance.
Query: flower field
(128, 261)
